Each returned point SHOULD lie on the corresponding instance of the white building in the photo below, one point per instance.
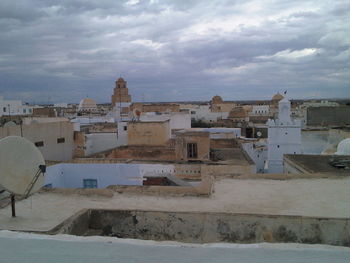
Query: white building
(260, 110)
(94, 175)
(177, 120)
(102, 175)
(61, 105)
(87, 105)
(204, 113)
(14, 107)
(122, 133)
(284, 137)
(119, 111)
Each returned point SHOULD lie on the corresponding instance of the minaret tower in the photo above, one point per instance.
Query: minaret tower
(121, 100)
(120, 93)
(284, 137)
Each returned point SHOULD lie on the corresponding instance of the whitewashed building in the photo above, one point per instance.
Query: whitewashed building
(284, 137)
(260, 110)
(14, 107)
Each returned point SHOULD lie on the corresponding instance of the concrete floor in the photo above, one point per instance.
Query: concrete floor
(20, 247)
(304, 197)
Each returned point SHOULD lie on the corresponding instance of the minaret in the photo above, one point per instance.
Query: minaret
(121, 100)
(120, 93)
(284, 137)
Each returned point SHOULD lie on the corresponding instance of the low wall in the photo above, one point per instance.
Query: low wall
(203, 227)
(139, 152)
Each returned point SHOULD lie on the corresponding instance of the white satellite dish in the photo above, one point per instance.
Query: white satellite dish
(136, 114)
(10, 124)
(21, 167)
(259, 134)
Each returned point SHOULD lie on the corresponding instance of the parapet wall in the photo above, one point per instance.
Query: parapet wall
(203, 227)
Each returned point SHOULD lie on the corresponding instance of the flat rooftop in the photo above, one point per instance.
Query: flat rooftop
(328, 197)
(318, 163)
(34, 248)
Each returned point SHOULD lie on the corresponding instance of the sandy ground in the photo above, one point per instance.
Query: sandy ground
(305, 197)
(20, 247)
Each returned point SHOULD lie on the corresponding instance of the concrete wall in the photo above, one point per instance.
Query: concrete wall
(180, 121)
(203, 227)
(48, 133)
(222, 170)
(141, 153)
(148, 133)
(122, 133)
(258, 153)
(328, 116)
(98, 142)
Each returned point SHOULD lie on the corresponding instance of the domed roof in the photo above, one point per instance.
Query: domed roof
(277, 97)
(87, 104)
(217, 99)
(344, 147)
(238, 112)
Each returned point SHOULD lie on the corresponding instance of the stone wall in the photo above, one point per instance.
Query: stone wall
(143, 153)
(223, 143)
(204, 227)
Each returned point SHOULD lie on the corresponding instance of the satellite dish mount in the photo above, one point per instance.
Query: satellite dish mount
(41, 170)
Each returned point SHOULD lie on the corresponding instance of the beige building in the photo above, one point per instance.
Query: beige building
(238, 114)
(53, 139)
(153, 133)
(192, 145)
(218, 105)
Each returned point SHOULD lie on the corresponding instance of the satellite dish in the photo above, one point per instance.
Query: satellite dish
(136, 114)
(259, 134)
(10, 124)
(21, 167)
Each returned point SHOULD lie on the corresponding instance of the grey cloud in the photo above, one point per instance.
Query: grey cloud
(68, 49)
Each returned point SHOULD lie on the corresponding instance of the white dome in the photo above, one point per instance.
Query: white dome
(344, 147)
(87, 104)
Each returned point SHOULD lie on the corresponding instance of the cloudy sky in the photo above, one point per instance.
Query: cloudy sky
(173, 50)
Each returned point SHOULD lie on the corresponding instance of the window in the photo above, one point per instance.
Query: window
(193, 112)
(24, 111)
(39, 144)
(125, 128)
(90, 183)
(61, 140)
(4, 109)
(192, 150)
